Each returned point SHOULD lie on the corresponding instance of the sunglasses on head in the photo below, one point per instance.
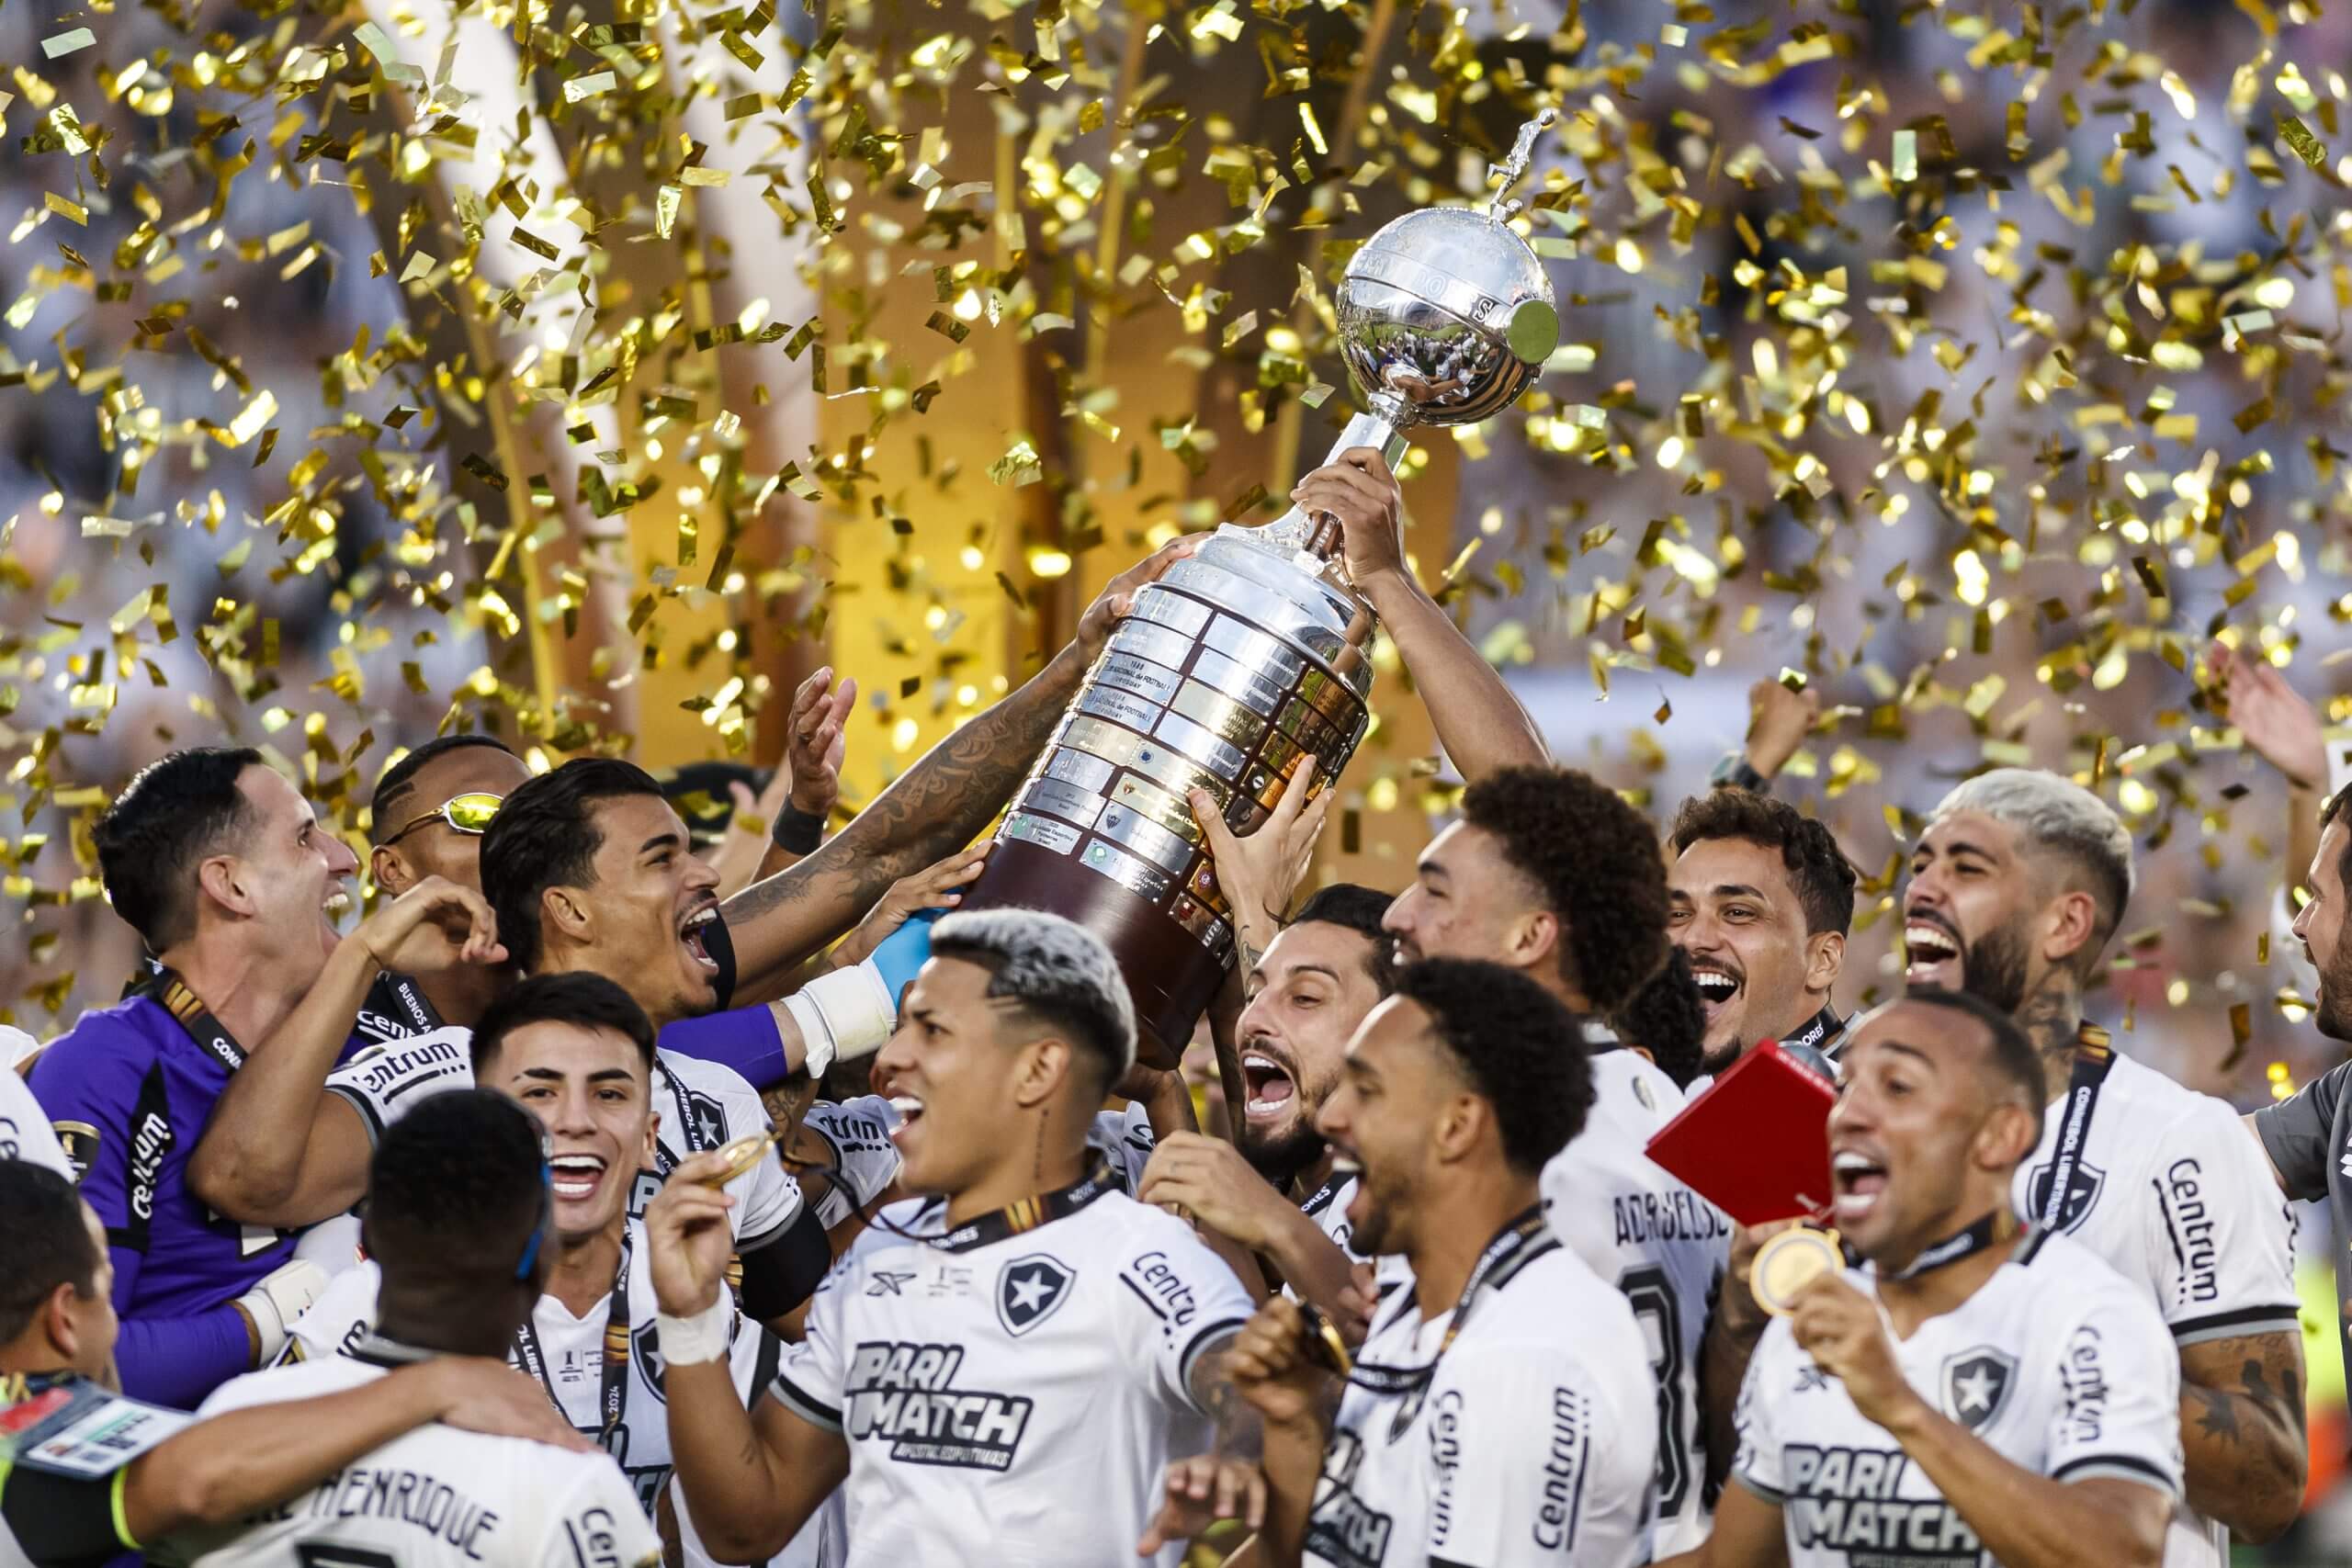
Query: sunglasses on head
(469, 813)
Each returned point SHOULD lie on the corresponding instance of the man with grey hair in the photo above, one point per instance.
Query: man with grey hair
(2016, 887)
(1018, 1339)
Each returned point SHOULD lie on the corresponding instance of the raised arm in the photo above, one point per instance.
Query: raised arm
(1480, 724)
(751, 1477)
(279, 1150)
(935, 807)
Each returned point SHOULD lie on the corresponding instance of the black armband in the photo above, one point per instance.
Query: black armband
(779, 1275)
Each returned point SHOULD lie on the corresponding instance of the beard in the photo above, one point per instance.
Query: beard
(1719, 1061)
(2335, 1015)
(1281, 1159)
(1993, 968)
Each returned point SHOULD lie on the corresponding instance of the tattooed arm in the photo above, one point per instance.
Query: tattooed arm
(2242, 1430)
(934, 808)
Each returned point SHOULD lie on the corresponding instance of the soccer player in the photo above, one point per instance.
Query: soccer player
(459, 1219)
(587, 870)
(1276, 1190)
(1501, 1411)
(1009, 1359)
(2304, 1135)
(1979, 1390)
(93, 1475)
(1550, 874)
(222, 867)
(1760, 897)
(2017, 883)
(574, 1051)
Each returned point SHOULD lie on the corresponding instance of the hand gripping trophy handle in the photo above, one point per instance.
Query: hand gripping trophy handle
(1252, 656)
(1401, 284)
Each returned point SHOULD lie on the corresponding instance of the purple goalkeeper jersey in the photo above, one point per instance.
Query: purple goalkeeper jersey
(128, 1090)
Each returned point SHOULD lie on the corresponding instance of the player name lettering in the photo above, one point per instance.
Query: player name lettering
(1678, 1214)
(1848, 1500)
(421, 1502)
(900, 1393)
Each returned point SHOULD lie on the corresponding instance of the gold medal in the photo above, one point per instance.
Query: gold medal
(1324, 1345)
(746, 1152)
(1785, 1265)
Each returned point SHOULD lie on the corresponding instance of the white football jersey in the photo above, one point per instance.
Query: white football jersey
(2172, 1193)
(1532, 1443)
(2057, 1363)
(25, 1132)
(704, 1106)
(866, 1161)
(1661, 1243)
(1016, 1390)
(1328, 1207)
(570, 1352)
(436, 1498)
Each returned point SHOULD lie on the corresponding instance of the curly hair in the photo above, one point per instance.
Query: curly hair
(1824, 878)
(1665, 1019)
(1596, 860)
(1521, 1048)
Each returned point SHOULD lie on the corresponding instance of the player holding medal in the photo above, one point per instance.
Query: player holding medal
(1974, 1390)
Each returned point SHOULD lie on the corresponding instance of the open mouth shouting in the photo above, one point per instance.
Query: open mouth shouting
(1273, 1088)
(910, 1110)
(1931, 951)
(1718, 988)
(691, 929)
(1857, 1180)
(576, 1176)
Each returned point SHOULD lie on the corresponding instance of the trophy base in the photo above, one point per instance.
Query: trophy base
(1170, 976)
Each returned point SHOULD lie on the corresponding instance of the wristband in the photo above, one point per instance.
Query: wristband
(798, 832)
(842, 1016)
(689, 1341)
(1735, 769)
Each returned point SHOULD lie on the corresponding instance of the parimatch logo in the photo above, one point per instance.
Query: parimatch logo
(905, 1394)
(1849, 1501)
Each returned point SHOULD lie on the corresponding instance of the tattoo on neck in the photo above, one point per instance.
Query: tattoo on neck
(2051, 1018)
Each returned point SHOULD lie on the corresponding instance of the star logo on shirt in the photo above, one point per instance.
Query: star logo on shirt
(1029, 1290)
(1975, 1382)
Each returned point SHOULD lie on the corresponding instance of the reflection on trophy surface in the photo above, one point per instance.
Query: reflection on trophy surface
(1254, 652)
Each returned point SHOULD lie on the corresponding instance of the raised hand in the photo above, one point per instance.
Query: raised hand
(1258, 874)
(1357, 487)
(816, 740)
(687, 1237)
(434, 925)
(1778, 722)
(2284, 730)
(1118, 595)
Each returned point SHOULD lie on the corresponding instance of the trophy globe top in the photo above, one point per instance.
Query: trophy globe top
(1445, 317)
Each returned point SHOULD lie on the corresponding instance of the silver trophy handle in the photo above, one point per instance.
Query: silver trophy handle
(1309, 542)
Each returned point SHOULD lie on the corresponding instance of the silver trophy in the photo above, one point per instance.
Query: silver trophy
(1253, 653)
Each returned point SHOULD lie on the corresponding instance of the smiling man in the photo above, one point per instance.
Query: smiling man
(1977, 1390)
(1760, 897)
(222, 868)
(1001, 1366)
(2016, 887)
(575, 1052)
